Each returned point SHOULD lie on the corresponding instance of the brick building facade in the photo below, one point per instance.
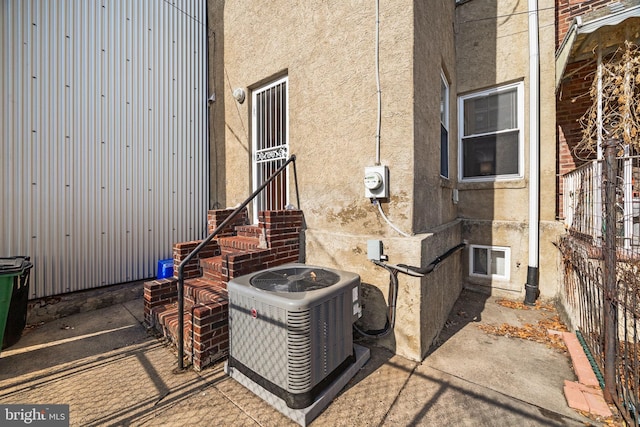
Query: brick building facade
(573, 87)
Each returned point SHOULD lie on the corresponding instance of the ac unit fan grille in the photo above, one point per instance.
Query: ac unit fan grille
(294, 280)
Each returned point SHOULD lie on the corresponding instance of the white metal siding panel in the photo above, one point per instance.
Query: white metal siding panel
(104, 137)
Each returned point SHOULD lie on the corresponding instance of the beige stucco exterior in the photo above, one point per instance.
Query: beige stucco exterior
(492, 46)
(327, 51)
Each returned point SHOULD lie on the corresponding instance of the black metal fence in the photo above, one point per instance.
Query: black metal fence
(602, 275)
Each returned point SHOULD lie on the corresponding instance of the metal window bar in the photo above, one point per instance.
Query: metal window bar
(202, 244)
(271, 144)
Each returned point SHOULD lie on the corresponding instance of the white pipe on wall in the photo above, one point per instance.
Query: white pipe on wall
(534, 155)
(378, 91)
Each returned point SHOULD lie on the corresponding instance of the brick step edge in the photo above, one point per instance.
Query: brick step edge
(234, 244)
(206, 331)
(206, 316)
(227, 267)
(201, 290)
(249, 231)
(585, 394)
(581, 364)
(586, 399)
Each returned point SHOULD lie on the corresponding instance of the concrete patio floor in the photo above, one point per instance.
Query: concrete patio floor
(110, 371)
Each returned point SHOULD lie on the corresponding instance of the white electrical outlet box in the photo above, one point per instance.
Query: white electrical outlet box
(376, 182)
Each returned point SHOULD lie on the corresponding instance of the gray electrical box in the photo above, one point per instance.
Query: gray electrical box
(374, 250)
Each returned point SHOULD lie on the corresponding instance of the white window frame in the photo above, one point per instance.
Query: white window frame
(489, 249)
(519, 87)
(444, 121)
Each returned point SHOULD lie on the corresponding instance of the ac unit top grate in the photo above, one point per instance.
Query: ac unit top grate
(294, 279)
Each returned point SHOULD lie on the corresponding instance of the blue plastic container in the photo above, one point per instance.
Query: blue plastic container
(165, 268)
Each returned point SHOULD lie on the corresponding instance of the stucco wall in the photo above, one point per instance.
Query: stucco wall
(434, 52)
(492, 46)
(327, 50)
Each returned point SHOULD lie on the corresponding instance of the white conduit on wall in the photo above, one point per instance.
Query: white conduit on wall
(377, 202)
(379, 93)
(379, 117)
(534, 153)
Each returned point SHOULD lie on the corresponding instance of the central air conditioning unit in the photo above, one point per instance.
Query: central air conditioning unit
(291, 339)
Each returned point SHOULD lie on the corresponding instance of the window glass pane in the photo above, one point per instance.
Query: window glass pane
(498, 262)
(480, 261)
(444, 152)
(490, 155)
(444, 94)
(490, 113)
(444, 127)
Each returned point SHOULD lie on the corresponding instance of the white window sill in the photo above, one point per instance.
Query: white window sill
(493, 184)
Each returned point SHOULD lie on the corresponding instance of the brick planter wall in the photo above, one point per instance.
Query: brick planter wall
(217, 216)
(183, 249)
(282, 235)
(158, 293)
(210, 333)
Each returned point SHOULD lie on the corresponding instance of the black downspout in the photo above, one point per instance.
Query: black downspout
(531, 287)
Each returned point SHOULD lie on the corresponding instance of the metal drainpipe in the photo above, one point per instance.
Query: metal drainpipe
(531, 287)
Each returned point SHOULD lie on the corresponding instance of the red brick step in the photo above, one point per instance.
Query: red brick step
(237, 250)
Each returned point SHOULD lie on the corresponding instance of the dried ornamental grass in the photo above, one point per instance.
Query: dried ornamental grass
(620, 102)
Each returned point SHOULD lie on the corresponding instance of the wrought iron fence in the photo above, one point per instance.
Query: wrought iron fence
(601, 259)
(583, 202)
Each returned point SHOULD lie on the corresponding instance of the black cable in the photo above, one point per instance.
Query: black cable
(391, 314)
(393, 289)
(432, 266)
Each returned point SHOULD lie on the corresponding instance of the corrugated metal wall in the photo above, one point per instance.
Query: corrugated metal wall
(104, 139)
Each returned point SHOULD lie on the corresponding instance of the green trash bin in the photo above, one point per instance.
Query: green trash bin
(14, 293)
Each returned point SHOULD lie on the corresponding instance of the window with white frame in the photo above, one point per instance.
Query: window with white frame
(491, 133)
(444, 126)
(489, 261)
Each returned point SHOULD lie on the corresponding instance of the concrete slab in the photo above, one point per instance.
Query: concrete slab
(104, 365)
(371, 394)
(524, 370)
(536, 377)
(305, 415)
(71, 338)
(433, 397)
